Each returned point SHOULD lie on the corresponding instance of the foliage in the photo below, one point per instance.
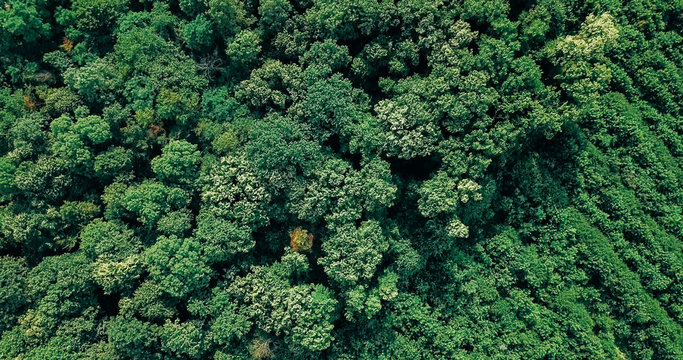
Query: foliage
(337, 179)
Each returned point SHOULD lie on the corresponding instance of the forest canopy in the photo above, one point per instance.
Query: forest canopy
(337, 179)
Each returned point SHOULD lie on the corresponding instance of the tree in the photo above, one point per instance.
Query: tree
(93, 128)
(273, 14)
(150, 201)
(229, 16)
(96, 82)
(350, 20)
(87, 17)
(23, 22)
(60, 289)
(186, 339)
(12, 296)
(177, 265)
(303, 313)
(159, 77)
(222, 238)
(108, 238)
(178, 163)
(227, 324)
(339, 195)
(61, 100)
(115, 162)
(7, 170)
(410, 127)
(133, 338)
(281, 149)
(352, 255)
(243, 52)
(328, 54)
(198, 33)
(273, 85)
(331, 106)
(233, 191)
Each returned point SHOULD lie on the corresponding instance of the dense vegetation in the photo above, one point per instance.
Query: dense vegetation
(341, 179)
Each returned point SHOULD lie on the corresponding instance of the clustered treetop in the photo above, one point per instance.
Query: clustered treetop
(337, 179)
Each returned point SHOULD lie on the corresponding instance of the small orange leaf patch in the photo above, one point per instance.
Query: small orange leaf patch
(301, 240)
(67, 44)
(29, 103)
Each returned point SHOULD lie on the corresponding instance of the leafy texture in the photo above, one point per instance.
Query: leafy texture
(341, 179)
